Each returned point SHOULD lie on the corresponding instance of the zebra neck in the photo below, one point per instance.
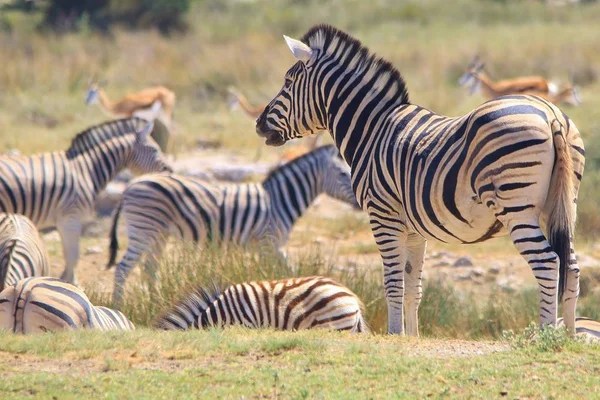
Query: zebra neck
(291, 191)
(99, 165)
(356, 110)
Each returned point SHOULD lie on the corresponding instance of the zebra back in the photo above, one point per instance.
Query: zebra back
(287, 304)
(22, 252)
(43, 304)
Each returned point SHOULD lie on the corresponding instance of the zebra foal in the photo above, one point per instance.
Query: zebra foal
(59, 189)
(264, 213)
(509, 166)
(287, 304)
(22, 252)
(43, 304)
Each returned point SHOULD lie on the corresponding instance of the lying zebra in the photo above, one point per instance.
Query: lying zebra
(194, 210)
(36, 305)
(287, 304)
(22, 252)
(59, 189)
(584, 327)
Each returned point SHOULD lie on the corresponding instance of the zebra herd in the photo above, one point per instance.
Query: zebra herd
(512, 166)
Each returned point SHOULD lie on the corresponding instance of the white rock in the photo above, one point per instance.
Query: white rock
(93, 250)
(477, 272)
(466, 276)
(441, 263)
(442, 254)
(494, 270)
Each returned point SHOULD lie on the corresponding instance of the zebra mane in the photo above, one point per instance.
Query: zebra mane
(194, 302)
(97, 134)
(328, 149)
(329, 40)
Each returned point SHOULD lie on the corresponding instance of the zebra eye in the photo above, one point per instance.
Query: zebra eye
(288, 82)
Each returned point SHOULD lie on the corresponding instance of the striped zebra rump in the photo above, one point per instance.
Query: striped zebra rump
(584, 327)
(43, 304)
(287, 304)
(22, 251)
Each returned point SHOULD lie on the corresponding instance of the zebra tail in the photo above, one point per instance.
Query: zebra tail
(560, 204)
(6, 261)
(114, 240)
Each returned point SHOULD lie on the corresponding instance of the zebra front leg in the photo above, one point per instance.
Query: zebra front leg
(392, 248)
(531, 243)
(571, 292)
(70, 233)
(153, 260)
(413, 271)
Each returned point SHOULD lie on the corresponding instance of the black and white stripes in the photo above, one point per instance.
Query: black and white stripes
(44, 304)
(260, 214)
(287, 304)
(59, 189)
(22, 252)
(505, 167)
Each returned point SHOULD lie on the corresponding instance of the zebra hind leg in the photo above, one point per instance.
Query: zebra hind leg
(70, 233)
(571, 293)
(531, 243)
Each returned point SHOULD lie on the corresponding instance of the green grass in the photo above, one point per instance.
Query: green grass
(445, 312)
(263, 364)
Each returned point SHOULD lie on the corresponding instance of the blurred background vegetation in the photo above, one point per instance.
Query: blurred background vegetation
(50, 49)
(198, 48)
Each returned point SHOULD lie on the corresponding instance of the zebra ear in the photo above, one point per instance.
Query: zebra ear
(301, 51)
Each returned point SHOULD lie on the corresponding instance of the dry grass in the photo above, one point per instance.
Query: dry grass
(239, 43)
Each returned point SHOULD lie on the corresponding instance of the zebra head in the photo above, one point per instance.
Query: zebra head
(336, 179)
(146, 156)
(295, 112)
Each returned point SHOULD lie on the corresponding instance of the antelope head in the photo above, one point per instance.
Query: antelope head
(92, 93)
(233, 101)
(471, 76)
(574, 99)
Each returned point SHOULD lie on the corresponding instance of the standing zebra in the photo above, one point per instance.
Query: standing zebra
(36, 305)
(22, 252)
(194, 210)
(287, 304)
(503, 168)
(59, 189)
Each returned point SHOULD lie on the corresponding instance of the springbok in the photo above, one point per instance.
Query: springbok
(239, 101)
(152, 104)
(476, 78)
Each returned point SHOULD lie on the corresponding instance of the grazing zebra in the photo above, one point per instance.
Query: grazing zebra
(59, 189)
(585, 327)
(194, 210)
(505, 167)
(43, 304)
(287, 304)
(22, 252)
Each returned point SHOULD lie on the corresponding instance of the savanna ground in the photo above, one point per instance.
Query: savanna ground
(465, 309)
